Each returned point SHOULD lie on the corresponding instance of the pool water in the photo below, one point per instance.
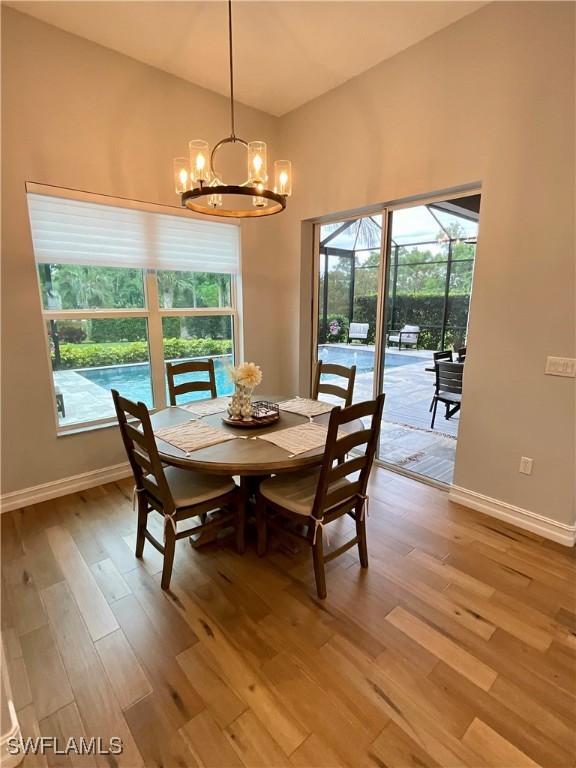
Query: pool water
(363, 359)
(133, 381)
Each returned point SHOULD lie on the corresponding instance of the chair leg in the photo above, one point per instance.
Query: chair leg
(318, 558)
(240, 523)
(261, 526)
(169, 545)
(361, 534)
(434, 413)
(142, 519)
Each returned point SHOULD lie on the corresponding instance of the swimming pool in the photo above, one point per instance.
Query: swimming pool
(133, 381)
(363, 359)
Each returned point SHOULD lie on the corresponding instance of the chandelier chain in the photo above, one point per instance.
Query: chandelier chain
(233, 133)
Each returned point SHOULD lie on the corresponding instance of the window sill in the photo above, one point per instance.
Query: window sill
(82, 428)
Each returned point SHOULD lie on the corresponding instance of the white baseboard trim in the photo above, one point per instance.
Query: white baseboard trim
(522, 518)
(63, 487)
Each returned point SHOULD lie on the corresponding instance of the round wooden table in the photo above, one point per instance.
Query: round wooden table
(243, 457)
(251, 460)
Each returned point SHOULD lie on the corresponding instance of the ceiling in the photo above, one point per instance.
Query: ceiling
(286, 52)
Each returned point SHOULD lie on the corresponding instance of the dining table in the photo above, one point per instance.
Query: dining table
(246, 456)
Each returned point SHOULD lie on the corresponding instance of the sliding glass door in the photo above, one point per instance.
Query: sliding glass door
(349, 274)
(393, 289)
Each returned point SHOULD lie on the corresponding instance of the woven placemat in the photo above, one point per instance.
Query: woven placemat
(193, 435)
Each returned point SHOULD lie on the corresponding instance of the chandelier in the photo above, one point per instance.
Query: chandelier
(203, 189)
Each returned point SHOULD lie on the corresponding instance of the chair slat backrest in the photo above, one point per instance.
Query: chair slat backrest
(334, 492)
(329, 388)
(142, 452)
(461, 354)
(445, 354)
(192, 366)
(449, 377)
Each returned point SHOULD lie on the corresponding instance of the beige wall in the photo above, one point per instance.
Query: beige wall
(78, 115)
(488, 99)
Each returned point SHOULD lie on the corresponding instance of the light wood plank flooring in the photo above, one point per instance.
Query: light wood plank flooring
(455, 648)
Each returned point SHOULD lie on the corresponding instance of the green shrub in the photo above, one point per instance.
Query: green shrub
(423, 310)
(119, 329)
(94, 355)
(71, 331)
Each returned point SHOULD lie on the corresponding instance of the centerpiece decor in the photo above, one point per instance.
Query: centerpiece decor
(246, 378)
(242, 412)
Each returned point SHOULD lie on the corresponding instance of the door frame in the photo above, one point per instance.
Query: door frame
(387, 211)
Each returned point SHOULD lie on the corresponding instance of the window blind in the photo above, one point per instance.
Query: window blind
(66, 231)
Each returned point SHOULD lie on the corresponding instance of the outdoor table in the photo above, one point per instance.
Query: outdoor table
(251, 460)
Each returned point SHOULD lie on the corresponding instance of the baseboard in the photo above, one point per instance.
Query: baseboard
(562, 533)
(63, 487)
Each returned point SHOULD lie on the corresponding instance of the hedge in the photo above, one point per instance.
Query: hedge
(424, 311)
(93, 355)
(134, 328)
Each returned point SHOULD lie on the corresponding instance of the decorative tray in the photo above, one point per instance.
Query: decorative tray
(263, 414)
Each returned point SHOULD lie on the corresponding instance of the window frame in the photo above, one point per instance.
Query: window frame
(152, 312)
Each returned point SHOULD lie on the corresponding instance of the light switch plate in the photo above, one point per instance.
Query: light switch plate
(561, 366)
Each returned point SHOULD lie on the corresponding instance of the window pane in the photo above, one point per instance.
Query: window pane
(91, 357)
(189, 290)
(64, 286)
(200, 338)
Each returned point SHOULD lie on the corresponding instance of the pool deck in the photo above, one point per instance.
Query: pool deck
(406, 438)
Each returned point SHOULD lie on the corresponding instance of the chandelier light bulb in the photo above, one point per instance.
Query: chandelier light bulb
(199, 160)
(257, 161)
(283, 177)
(181, 175)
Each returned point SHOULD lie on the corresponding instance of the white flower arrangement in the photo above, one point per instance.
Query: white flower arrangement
(246, 374)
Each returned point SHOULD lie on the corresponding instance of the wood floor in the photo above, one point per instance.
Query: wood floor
(455, 648)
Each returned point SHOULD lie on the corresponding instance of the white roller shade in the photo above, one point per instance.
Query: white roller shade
(66, 231)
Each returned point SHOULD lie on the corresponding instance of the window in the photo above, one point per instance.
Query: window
(114, 327)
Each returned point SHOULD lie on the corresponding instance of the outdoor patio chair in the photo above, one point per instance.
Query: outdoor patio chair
(445, 354)
(177, 494)
(316, 498)
(448, 388)
(193, 366)
(408, 336)
(331, 369)
(358, 332)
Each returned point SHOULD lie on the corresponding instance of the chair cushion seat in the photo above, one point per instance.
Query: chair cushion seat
(295, 491)
(452, 397)
(189, 488)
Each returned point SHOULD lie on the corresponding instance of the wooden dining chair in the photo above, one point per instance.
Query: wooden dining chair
(461, 354)
(316, 498)
(448, 388)
(198, 385)
(177, 494)
(331, 369)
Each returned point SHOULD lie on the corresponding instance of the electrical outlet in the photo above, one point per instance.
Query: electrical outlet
(561, 366)
(526, 465)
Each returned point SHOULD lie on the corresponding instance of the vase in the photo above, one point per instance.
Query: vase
(246, 408)
(235, 407)
(240, 408)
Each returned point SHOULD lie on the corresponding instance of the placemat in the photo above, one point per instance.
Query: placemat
(207, 407)
(299, 439)
(193, 435)
(306, 407)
